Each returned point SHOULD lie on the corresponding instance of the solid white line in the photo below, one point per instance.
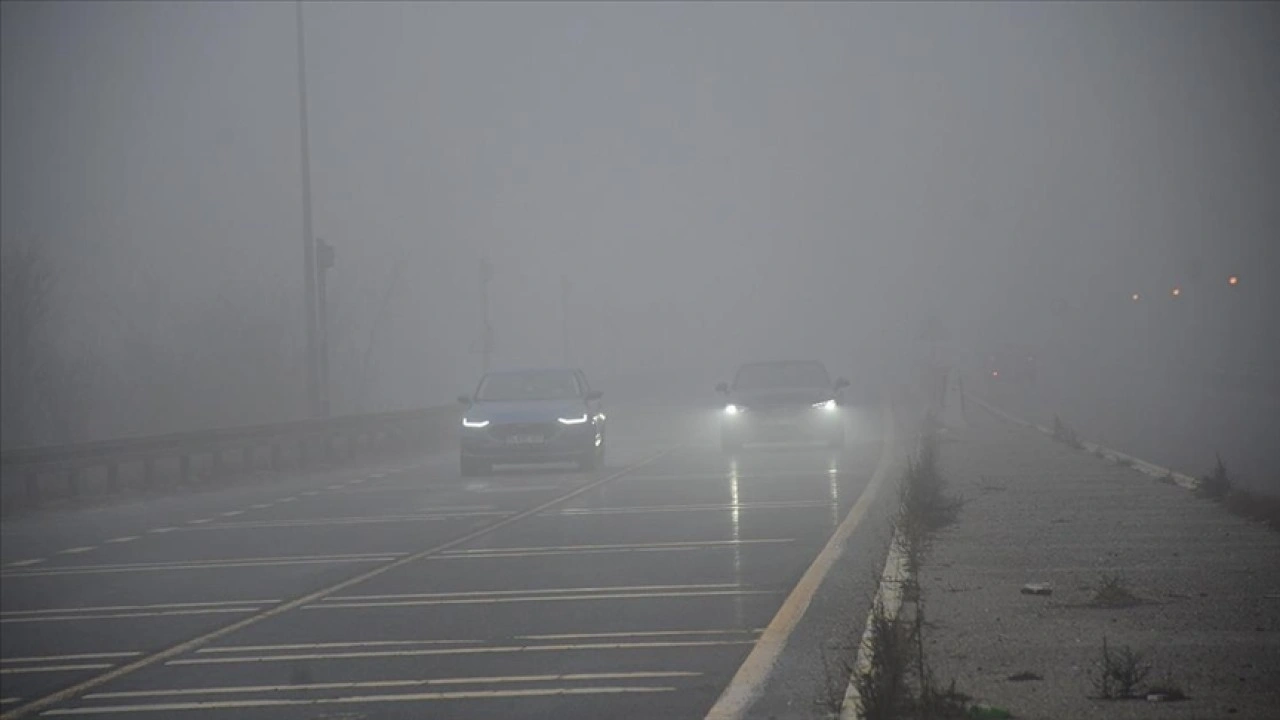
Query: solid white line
(413, 697)
(540, 598)
(638, 633)
(391, 684)
(119, 616)
(62, 658)
(333, 645)
(205, 564)
(115, 608)
(53, 668)
(540, 591)
(483, 650)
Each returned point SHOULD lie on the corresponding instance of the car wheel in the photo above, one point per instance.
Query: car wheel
(472, 467)
(592, 459)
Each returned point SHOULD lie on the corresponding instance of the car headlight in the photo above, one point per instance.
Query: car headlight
(732, 409)
(826, 405)
(574, 420)
(474, 423)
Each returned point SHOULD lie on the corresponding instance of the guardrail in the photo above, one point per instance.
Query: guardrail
(176, 457)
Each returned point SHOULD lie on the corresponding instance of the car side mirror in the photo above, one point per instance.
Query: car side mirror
(464, 399)
(595, 395)
(841, 384)
(722, 388)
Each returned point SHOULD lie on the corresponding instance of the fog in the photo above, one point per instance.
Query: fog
(717, 182)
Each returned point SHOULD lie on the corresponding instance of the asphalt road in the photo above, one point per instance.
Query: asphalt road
(407, 591)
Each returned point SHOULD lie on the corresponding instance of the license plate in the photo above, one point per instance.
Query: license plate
(525, 440)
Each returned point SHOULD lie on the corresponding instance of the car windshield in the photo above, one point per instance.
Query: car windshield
(768, 376)
(529, 385)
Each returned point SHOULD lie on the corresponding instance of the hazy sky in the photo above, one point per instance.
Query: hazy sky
(717, 179)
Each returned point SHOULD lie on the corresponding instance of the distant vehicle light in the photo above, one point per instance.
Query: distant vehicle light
(574, 420)
(474, 423)
(1176, 292)
(826, 405)
(995, 373)
(1233, 280)
(1135, 297)
(732, 409)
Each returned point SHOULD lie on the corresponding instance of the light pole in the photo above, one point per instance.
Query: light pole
(315, 406)
(324, 257)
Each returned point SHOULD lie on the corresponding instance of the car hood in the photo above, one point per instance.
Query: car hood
(784, 396)
(525, 412)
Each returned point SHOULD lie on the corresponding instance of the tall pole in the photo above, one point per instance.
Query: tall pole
(324, 262)
(486, 340)
(564, 317)
(308, 243)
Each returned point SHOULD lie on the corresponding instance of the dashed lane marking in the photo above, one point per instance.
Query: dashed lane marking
(114, 612)
(53, 668)
(714, 507)
(515, 552)
(26, 563)
(162, 530)
(200, 521)
(288, 499)
(482, 680)
(44, 703)
(321, 522)
(261, 506)
(536, 598)
(68, 658)
(481, 650)
(125, 539)
(77, 550)
(409, 697)
(637, 633)
(331, 645)
(204, 564)
(232, 513)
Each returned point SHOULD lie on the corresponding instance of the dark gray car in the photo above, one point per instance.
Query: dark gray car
(532, 416)
(782, 401)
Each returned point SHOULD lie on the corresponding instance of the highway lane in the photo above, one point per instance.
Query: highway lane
(639, 596)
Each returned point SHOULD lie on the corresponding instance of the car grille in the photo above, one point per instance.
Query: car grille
(502, 432)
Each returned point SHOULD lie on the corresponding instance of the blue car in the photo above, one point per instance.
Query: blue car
(532, 416)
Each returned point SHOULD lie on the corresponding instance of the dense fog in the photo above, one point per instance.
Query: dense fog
(697, 184)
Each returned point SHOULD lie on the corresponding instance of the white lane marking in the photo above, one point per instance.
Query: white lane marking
(774, 505)
(54, 668)
(535, 591)
(288, 499)
(201, 521)
(26, 563)
(310, 493)
(10, 700)
(332, 645)
(232, 513)
(321, 522)
(119, 616)
(204, 564)
(593, 549)
(409, 697)
(303, 687)
(487, 650)
(117, 608)
(66, 658)
(161, 530)
(335, 486)
(377, 476)
(125, 539)
(536, 598)
(637, 633)
(77, 550)
(261, 506)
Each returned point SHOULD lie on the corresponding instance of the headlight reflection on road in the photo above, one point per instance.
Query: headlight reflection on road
(735, 511)
(833, 491)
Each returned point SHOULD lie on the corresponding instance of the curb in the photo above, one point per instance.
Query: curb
(888, 597)
(1184, 481)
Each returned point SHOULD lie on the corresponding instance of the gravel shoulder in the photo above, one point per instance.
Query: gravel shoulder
(1206, 584)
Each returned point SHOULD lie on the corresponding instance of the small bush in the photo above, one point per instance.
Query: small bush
(1119, 674)
(1217, 485)
(1113, 591)
(882, 688)
(1065, 435)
